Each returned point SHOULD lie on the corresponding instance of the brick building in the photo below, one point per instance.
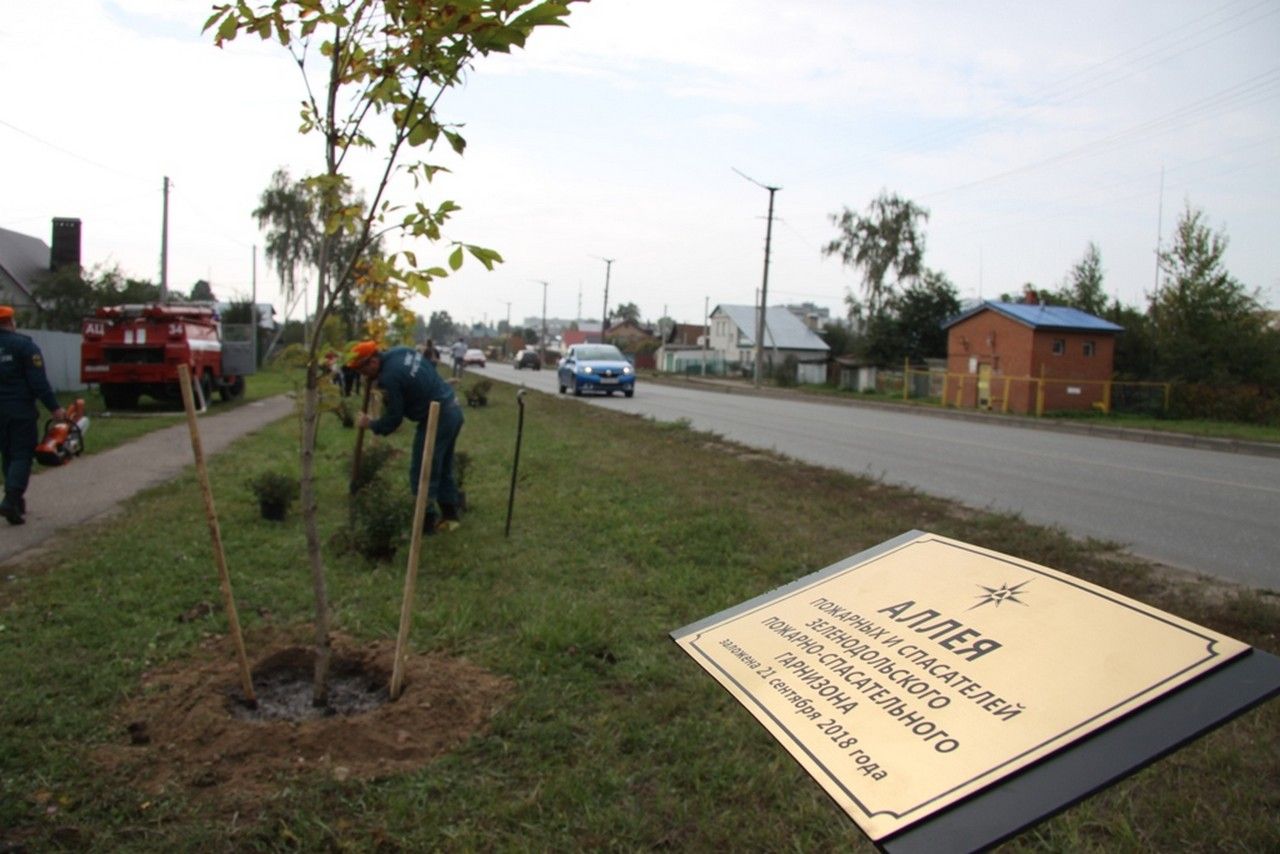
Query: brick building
(1016, 357)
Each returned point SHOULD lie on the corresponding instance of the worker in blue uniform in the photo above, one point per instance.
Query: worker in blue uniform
(22, 383)
(409, 385)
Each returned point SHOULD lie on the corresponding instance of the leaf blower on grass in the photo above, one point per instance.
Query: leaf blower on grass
(63, 438)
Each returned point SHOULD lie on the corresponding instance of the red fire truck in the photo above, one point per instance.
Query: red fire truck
(132, 350)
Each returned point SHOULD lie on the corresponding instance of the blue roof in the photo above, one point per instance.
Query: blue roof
(1041, 316)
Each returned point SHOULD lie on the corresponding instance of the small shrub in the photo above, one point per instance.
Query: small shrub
(478, 394)
(380, 517)
(275, 491)
(1242, 403)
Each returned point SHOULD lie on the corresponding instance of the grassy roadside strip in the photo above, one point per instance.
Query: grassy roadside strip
(109, 429)
(623, 530)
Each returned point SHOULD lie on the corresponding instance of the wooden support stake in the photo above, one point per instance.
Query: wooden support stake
(415, 548)
(215, 533)
(355, 460)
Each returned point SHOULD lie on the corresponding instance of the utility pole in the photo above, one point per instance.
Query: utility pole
(253, 307)
(604, 315)
(164, 245)
(706, 333)
(508, 302)
(764, 288)
(1159, 235)
(542, 341)
(544, 322)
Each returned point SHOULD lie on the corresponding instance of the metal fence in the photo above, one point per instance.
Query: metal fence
(61, 357)
(1040, 393)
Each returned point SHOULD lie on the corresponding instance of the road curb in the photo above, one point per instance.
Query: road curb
(1129, 434)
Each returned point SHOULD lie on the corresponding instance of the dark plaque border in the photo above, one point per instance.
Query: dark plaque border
(1098, 760)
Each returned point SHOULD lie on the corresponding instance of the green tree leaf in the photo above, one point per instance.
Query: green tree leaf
(228, 29)
(456, 141)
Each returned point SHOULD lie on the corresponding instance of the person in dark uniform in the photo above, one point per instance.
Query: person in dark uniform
(22, 383)
(409, 385)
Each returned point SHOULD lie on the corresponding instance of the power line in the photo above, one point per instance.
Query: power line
(209, 220)
(71, 153)
(82, 212)
(1093, 77)
(1246, 93)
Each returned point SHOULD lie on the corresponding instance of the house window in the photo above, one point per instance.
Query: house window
(1059, 346)
(1090, 348)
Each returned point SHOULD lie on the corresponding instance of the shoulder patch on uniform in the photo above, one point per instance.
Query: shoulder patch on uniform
(37, 361)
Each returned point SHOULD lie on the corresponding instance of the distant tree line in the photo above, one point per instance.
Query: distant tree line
(70, 294)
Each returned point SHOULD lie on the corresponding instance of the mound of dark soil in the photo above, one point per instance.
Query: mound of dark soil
(189, 728)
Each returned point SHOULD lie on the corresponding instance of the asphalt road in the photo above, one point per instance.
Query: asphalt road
(1200, 510)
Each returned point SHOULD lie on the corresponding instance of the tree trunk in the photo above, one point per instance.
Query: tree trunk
(310, 421)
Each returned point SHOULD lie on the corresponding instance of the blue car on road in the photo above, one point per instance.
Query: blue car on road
(596, 367)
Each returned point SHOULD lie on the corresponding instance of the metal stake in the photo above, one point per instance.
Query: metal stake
(515, 465)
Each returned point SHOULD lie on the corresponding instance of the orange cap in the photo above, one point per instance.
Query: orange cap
(361, 352)
(6, 312)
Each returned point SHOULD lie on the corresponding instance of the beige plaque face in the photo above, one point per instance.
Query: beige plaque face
(910, 679)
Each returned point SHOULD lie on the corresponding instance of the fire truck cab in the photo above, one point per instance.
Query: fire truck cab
(132, 350)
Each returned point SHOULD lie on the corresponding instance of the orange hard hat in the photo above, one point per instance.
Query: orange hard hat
(6, 312)
(361, 352)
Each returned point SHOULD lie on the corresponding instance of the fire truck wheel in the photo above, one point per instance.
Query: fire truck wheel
(119, 396)
(232, 389)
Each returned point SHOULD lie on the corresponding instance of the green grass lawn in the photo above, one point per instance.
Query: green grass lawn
(624, 529)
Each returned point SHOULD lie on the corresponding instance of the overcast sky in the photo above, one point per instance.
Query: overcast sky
(1028, 129)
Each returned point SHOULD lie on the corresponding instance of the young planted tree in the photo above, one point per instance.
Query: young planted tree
(375, 69)
(887, 239)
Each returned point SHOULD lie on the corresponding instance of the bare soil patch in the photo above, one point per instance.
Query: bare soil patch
(188, 728)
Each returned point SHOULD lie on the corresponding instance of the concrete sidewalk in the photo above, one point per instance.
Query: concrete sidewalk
(95, 485)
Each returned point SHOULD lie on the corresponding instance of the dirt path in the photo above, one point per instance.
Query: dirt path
(95, 485)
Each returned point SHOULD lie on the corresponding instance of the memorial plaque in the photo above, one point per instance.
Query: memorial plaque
(913, 675)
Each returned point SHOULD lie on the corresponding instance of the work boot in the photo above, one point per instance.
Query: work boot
(12, 509)
(450, 512)
(430, 522)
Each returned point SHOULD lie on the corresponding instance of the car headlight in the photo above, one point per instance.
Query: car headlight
(627, 370)
(586, 369)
